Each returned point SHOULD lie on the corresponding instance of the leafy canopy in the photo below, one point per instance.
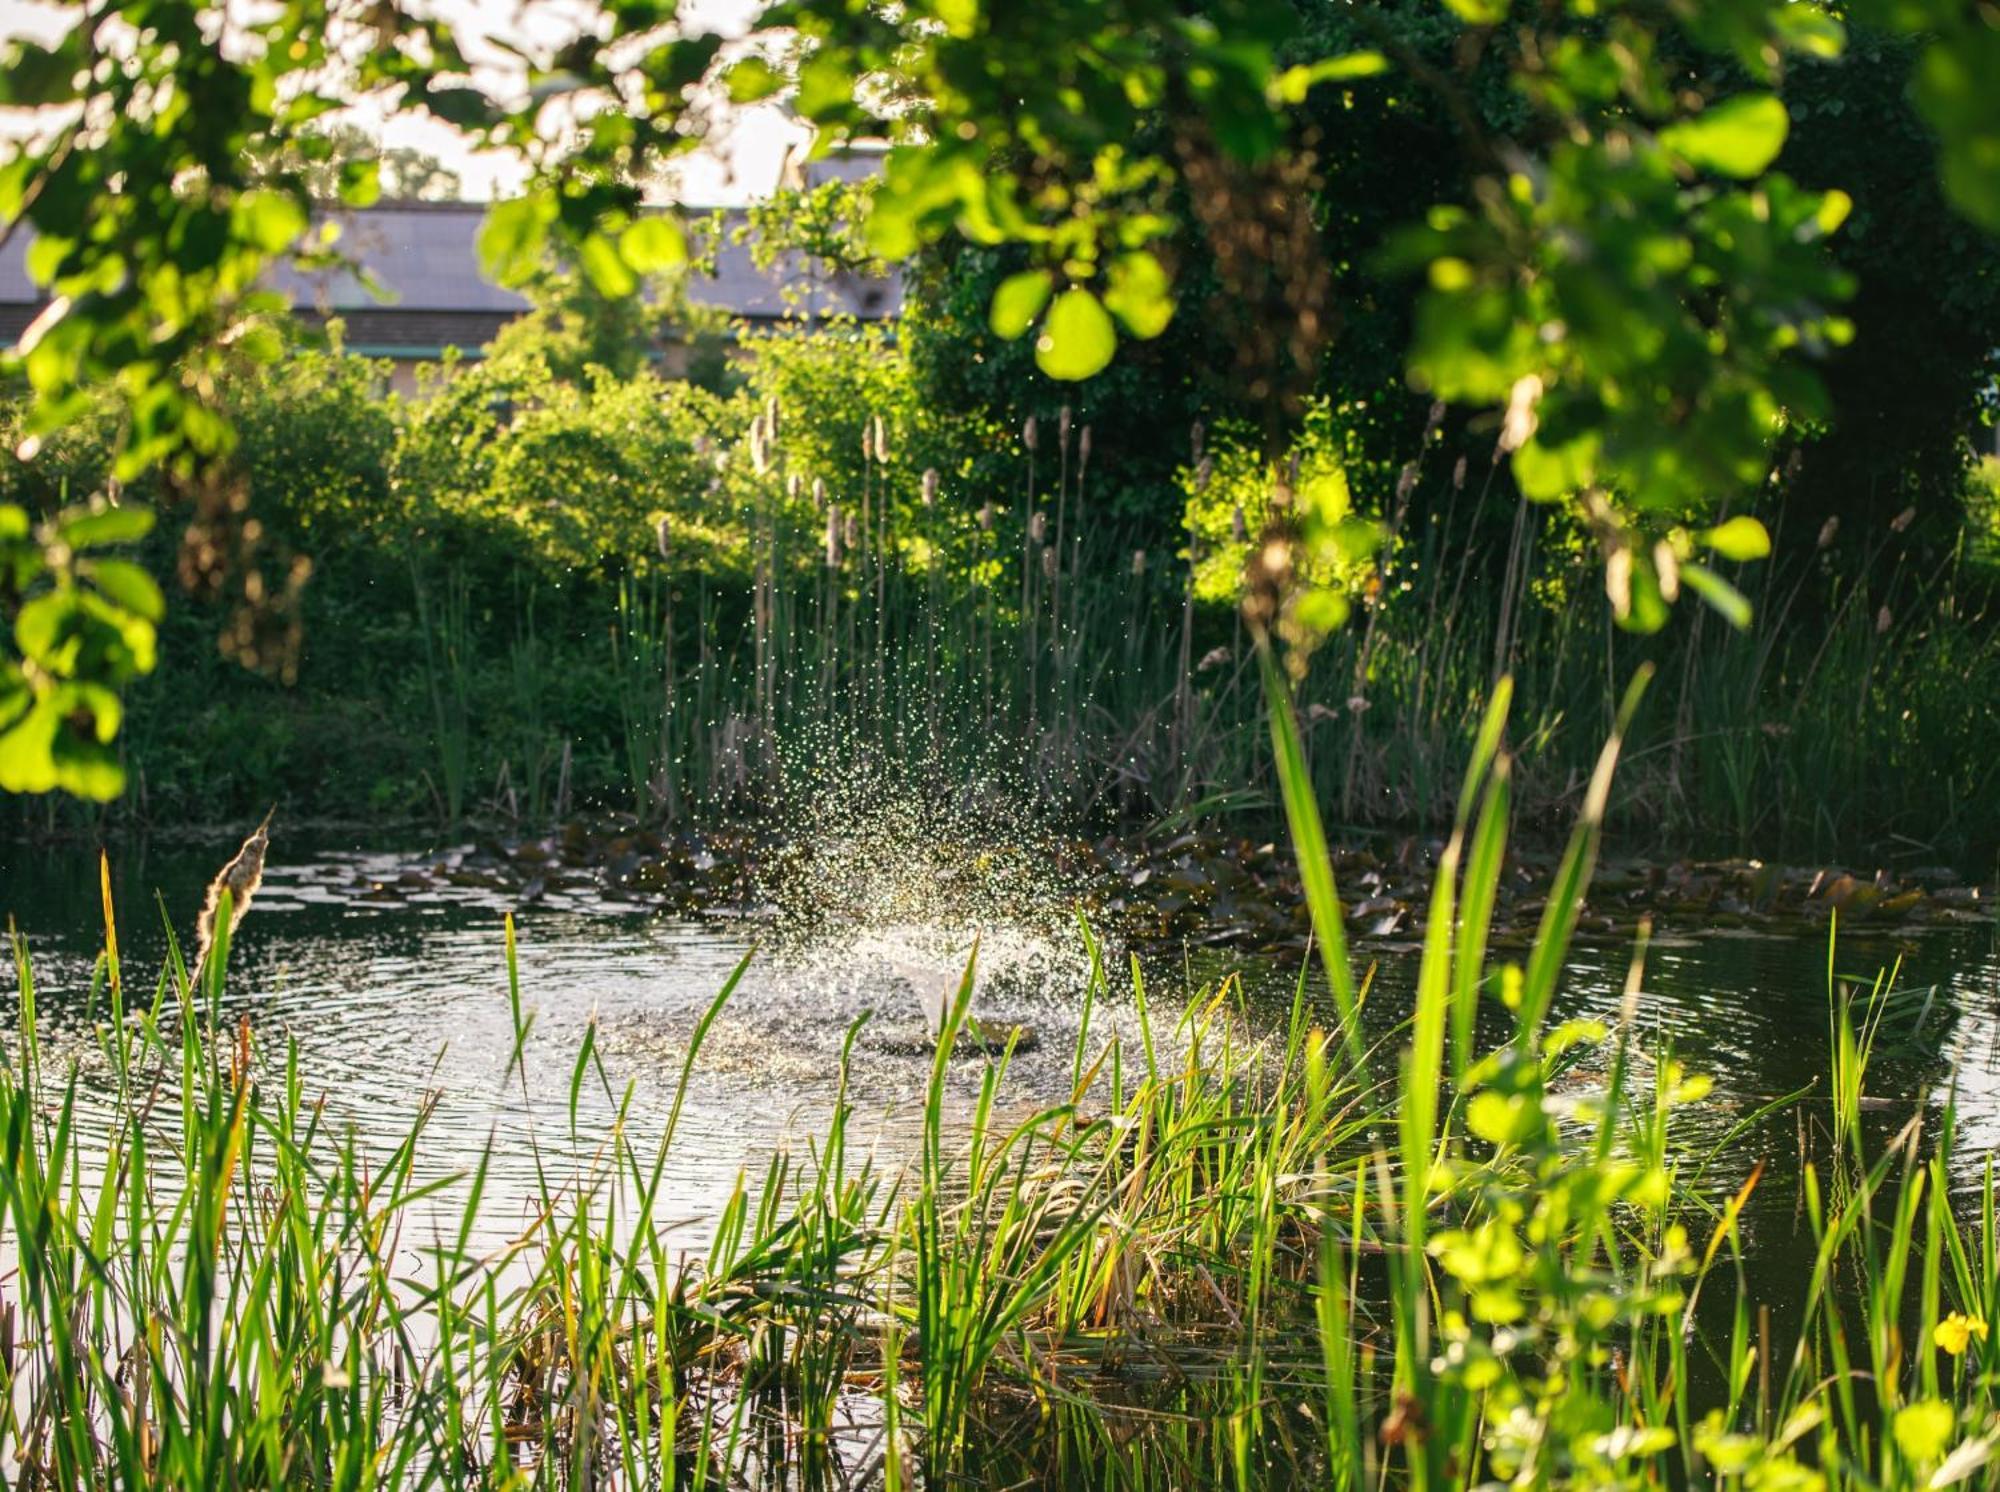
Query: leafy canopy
(1629, 282)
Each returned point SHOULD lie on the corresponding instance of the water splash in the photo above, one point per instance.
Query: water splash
(894, 875)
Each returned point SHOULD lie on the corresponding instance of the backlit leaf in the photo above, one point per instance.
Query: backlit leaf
(1738, 137)
(1077, 337)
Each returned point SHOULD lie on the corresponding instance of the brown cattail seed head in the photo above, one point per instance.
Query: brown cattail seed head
(1458, 476)
(760, 449)
(1902, 520)
(1083, 450)
(819, 494)
(1062, 427)
(1434, 419)
(1406, 481)
(771, 416)
(881, 440)
(1038, 528)
(1138, 562)
(930, 486)
(986, 518)
(1049, 563)
(1884, 620)
(868, 442)
(1827, 530)
(1028, 433)
(1204, 473)
(1197, 434)
(794, 484)
(852, 533)
(663, 536)
(1239, 527)
(832, 538)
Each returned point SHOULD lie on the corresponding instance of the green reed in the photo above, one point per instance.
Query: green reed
(1453, 1245)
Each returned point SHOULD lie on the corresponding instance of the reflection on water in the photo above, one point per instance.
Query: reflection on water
(390, 999)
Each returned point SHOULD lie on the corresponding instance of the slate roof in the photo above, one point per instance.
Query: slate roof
(426, 254)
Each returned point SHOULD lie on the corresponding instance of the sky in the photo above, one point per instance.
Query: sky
(740, 160)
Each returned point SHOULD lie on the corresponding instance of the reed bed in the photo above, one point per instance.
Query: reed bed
(1449, 1246)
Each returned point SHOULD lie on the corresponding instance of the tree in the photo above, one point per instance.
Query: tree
(402, 173)
(1626, 278)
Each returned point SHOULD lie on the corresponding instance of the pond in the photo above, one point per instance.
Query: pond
(393, 993)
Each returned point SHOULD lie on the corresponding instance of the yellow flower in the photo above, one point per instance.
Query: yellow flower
(1956, 1331)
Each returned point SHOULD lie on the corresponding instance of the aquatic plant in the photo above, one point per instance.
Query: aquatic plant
(1430, 1248)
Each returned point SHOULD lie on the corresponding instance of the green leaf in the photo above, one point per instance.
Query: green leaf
(1019, 300)
(1718, 593)
(1741, 538)
(513, 236)
(360, 183)
(1137, 292)
(129, 586)
(1293, 84)
(1923, 1428)
(272, 221)
(107, 526)
(604, 268)
(1738, 137)
(1479, 12)
(653, 244)
(1077, 337)
(753, 79)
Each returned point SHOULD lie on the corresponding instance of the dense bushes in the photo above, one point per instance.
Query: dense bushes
(497, 622)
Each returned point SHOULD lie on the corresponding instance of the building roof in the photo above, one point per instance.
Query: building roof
(426, 256)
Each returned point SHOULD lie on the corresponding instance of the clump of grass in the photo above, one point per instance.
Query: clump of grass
(1448, 1246)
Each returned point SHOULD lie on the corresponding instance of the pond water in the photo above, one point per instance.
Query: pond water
(394, 996)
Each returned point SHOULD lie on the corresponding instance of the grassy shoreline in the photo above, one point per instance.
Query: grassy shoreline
(1471, 1248)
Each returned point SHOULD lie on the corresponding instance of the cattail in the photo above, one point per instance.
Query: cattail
(1406, 481)
(1239, 526)
(1903, 520)
(1062, 427)
(1038, 528)
(832, 537)
(986, 517)
(1028, 433)
(663, 536)
(819, 495)
(1458, 476)
(1827, 530)
(240, 878)
(851, 532)
(1884, 620)
(794, 485)
(881, 439)
(1138, 562)
(760, 450)
(1049, 563)
(1197, 433)
(1204, 473)
(771, 416)
(1083, 451)
(867, 441)
(1434, 419)
(930, 486)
